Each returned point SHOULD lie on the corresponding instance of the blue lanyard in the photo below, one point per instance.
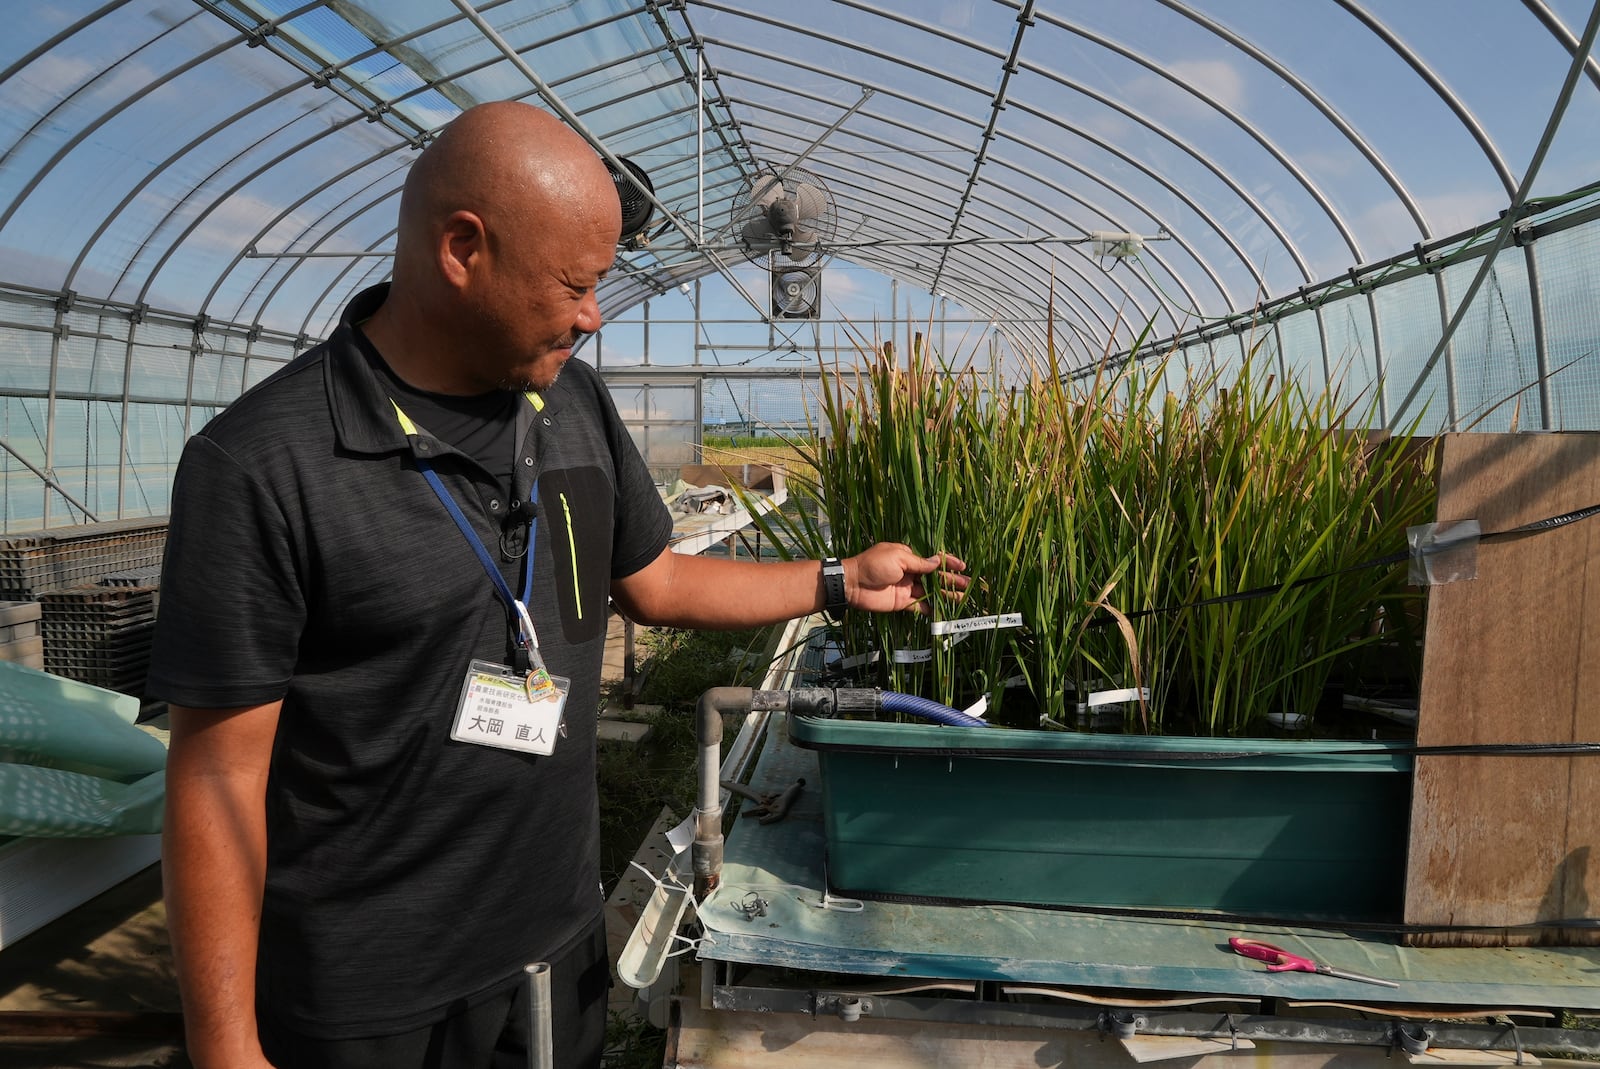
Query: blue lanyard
(476, 543)
(527, 639)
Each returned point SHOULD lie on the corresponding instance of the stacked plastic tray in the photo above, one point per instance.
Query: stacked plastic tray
(57, 558)
(96, 585)
(100, 635)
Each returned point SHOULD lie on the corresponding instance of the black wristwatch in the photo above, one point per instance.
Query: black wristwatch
(834, 602)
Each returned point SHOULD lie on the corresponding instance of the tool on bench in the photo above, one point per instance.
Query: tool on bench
(769, 807)
(1282, 961)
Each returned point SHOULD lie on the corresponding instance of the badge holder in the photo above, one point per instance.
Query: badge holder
(511, 710)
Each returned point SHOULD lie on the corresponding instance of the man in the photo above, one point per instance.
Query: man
(356, 866)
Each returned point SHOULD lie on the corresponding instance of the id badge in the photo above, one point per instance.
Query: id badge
(508, 710)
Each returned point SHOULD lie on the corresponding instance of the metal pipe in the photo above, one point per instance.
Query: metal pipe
(541, 1037)
(1512, 214)
(48, 480)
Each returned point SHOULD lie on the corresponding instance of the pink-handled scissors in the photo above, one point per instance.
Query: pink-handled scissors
(1283, 961)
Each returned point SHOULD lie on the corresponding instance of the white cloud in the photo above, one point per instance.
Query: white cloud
(236, 222)
(1219, 80)
(1446, 213)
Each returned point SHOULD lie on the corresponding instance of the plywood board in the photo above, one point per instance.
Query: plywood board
(1512, 656)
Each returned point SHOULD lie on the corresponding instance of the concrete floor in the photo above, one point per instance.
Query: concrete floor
(95, 988)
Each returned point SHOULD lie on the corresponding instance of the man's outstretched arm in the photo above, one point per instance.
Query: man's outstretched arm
(679, 590)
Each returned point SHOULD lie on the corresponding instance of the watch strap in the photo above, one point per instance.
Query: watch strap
(834, 601)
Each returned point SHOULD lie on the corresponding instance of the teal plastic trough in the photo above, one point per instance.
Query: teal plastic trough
(1261, 827)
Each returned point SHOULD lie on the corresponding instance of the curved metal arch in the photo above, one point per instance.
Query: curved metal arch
(1187, 149)
(1249, 128)
(568, 79)
(891, 207)
(255, 37)
(1115, 190)
(90, 127)
(1178, 279)
(334, 302)
(225, 196)
(1136, 116)
(1456, 105)
(1032, 255)
(64, 34)
(1565, 36)
(293, 206)
(1216, 228)
(311, 226)
(63, 102)
(979, 294)
(1133, 161)
(789, 26)
(288, 209)
(154, 173)
(976, 295)
(997, 104)
(1315, 100)
(309, 80)
(974, 276)
(692, 42)
(376, 269)
(1238, 120)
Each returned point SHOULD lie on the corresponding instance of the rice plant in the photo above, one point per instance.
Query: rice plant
(1199, 550)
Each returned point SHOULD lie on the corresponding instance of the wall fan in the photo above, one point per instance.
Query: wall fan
(787, 215)
(797, 291)
(636, 206)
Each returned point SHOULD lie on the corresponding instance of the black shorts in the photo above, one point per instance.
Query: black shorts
(492, 1034)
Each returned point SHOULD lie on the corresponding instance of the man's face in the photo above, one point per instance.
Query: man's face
(542, 300)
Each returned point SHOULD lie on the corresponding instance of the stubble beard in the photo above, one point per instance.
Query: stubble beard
(525, 383)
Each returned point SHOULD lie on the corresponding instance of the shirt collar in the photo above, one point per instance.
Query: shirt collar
(363, 413)
(363, 417)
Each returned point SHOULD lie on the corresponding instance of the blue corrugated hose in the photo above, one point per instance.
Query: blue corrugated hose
(929, 710)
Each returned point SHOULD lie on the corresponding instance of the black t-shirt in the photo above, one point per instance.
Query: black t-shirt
(308, 560)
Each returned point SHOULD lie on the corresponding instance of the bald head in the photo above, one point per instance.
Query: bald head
(508, 221)
(510, 163)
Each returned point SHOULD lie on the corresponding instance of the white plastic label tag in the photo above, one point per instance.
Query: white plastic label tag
(508, 710)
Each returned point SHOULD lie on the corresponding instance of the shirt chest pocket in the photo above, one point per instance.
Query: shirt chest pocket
(576, 517)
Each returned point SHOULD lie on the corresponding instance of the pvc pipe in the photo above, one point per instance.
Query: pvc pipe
(706, 854)
(541, 1035)
(707, 851)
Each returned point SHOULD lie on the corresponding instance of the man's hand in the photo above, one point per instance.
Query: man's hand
(888, 577)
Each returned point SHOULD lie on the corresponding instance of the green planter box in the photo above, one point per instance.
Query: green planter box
(1280, 828)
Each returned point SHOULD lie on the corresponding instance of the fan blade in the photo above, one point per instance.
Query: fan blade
(810, 201)
(805, 239)
(765, 189)
(758, 232)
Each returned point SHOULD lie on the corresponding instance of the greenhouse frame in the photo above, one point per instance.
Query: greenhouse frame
(1120, 588)
(1398, 197)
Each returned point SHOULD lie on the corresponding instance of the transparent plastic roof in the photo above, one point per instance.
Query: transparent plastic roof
(241, 159)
